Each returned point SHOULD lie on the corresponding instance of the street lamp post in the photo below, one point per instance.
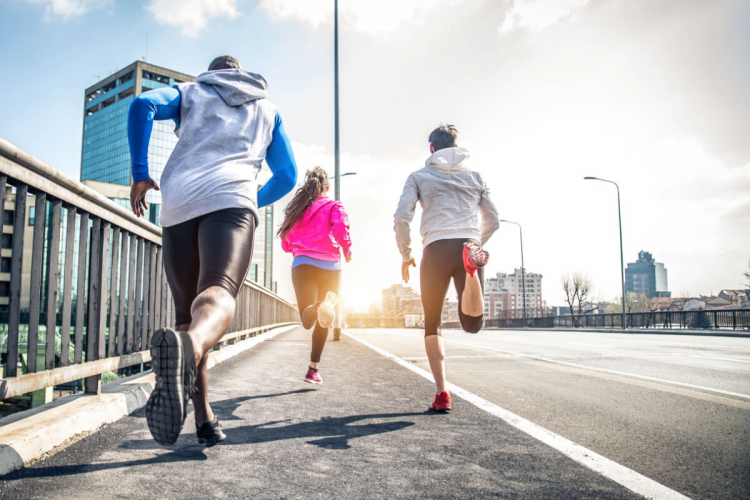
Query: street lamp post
(340, 306)
(523, 269)
(337, 176)
(622, 259)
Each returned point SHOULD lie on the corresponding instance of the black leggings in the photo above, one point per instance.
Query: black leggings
(311, 284)
(211, 250)
(441, 261)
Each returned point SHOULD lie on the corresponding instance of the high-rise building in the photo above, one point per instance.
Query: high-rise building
(261, 265)
(105, 156)
(647, 276)
(514, 285)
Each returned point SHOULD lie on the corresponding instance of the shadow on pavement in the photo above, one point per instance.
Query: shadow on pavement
(331, 432)
(334, 432)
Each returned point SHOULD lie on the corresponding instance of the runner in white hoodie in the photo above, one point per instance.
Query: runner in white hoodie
(451, 196)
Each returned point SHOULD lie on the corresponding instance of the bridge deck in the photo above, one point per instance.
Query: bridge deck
(364, 433)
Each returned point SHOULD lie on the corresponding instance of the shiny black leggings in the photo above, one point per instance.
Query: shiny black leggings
(441, 261)
(311, 284)
(211, 250)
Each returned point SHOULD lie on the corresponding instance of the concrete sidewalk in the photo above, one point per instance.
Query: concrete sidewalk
(364, 433)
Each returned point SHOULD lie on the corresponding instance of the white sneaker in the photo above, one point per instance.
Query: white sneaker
(327, 310)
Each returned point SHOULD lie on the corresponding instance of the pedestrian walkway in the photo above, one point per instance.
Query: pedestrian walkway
(365, 432)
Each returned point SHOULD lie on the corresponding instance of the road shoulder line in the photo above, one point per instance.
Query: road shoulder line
(620, 474)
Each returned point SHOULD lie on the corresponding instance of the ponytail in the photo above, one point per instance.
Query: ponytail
(315, 186)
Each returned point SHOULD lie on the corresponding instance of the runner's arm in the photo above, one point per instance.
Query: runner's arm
(159, 104)
(490, 219)
(280, 159)
(403, 217)
(340, 225)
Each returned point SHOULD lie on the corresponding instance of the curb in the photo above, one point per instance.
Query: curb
(24, 441)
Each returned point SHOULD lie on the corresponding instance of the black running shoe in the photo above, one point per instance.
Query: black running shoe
(210, 432)
(173, 359)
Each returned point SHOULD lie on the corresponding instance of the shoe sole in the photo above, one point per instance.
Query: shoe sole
(313, 382)
(165, 409)
(326, 315)
(442, 410)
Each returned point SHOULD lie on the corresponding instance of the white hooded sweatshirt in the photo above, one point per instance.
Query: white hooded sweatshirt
(451, 197)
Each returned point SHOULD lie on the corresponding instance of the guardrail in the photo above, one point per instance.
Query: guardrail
(734, 319)
(95, 280)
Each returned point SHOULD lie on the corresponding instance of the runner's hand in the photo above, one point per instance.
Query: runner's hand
(405, 269)
(138, 195)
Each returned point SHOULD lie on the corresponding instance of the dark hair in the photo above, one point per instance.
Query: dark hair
(316, 183)
(443, 137)
(225, 62)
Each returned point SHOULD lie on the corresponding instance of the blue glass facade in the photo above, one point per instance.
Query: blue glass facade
(646, 276)
(105, 155)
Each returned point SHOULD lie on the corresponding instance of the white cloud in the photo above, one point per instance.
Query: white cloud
(191, 15)
(361, 15)
(536, 15)
(67, 9)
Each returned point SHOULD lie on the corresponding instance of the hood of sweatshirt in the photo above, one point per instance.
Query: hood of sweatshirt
(315, 207)
(448, 158)
(234, 86)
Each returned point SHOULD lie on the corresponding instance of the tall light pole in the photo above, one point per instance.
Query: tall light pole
(340, 306)
(337, 155)
(622, 259)
(523, 268)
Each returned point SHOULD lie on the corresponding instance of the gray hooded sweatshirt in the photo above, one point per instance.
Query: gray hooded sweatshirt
(451, 197)
(226, 126)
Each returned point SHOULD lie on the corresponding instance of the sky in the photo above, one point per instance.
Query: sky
(650, 94)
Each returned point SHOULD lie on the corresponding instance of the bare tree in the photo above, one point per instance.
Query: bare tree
(747, 276)
(577, 289)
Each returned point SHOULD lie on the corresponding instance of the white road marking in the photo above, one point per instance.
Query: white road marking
(630, 479)
(604, 370)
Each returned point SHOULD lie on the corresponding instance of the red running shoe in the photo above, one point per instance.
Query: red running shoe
(442, 402)
(474, 256)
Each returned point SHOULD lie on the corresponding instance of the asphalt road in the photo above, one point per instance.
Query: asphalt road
(366, 433)
(673, 408)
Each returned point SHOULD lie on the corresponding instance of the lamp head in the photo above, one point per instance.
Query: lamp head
(590, 179)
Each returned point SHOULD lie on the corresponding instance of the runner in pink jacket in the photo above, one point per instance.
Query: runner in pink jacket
(316, 231)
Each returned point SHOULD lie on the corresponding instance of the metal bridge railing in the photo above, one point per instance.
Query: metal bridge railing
(83, 289)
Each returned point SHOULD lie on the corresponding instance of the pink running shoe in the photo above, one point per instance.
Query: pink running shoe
(474, 256)
(313, 376)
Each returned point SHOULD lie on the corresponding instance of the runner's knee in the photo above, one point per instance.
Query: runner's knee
(471, 324)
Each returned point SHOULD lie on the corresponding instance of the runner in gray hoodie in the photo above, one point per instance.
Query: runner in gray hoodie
(210, 202)
(451, 196)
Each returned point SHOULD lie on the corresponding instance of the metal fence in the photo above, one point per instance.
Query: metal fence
(729, 319)
(91, 282)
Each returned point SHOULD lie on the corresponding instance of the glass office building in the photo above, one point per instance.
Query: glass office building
(647, 276)
(105, 156)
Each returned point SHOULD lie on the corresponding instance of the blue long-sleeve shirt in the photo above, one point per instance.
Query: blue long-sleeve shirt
(164, 104)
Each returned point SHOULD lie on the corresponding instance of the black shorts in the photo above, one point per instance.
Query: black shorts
(442, 261)
(214, 249)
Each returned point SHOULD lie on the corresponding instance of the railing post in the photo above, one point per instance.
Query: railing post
(16, 268)
(92, 385)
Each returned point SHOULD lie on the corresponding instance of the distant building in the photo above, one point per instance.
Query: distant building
(261, 265)
(737, 298)
(513, 284)
(497, 304)
(105, 156)
(646, 276)
(399, 297)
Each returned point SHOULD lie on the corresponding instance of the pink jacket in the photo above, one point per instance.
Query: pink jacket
(320, 232)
